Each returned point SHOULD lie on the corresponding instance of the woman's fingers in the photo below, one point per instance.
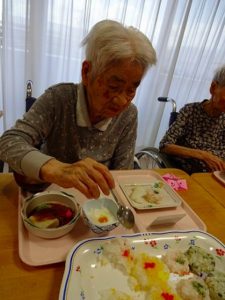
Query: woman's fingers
(100, 180)
(96, 175)
(88, 176)
(93, 175)
(89, 190)
(215, 163)
(106, 174)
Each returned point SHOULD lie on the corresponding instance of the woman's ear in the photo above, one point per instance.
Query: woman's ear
(85, 72)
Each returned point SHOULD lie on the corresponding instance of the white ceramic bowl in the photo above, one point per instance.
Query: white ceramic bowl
(100, 215)
(38, 199)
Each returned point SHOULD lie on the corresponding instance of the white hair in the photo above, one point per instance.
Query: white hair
(110, 42)
(219, 76)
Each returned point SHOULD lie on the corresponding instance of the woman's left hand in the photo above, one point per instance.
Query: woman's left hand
(214, 162)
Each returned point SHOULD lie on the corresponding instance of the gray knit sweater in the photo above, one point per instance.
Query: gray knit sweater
(52, 121)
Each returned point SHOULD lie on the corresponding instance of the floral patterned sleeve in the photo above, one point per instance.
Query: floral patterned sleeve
(178, 129)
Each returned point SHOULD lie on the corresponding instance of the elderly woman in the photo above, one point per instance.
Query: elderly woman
(87, 128)
(196, 140)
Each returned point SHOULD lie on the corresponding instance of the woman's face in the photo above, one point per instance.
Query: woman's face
(112, 91)
(218, 96)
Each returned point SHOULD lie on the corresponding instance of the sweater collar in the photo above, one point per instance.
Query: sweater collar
(83, 119)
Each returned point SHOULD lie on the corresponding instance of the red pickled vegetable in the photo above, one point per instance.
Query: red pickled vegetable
(149, 265)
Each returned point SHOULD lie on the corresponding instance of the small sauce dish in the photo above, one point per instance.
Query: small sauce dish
(100, 215)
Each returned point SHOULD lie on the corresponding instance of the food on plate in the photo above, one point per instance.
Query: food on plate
(176, 261)
(52, 223)
(144, 271)
(50, 215)
(113, 294)
(119, 254)
(162, 293)
(148, 271)
(216, 284)
(200, 261)
(176, 275)
(148, 193)
(193, 289)
(101, 216)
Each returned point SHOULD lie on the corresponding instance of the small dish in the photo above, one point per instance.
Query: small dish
(39, 214)
(100, 215)
(152, 195)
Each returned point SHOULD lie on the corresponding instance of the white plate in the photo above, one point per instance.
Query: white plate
(153, 194)
(220, 175)
(84, 277)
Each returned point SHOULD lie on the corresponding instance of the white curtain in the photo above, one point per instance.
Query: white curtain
(41, 42)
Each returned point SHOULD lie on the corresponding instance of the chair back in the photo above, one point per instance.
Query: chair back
(29, 99)
(174, 113)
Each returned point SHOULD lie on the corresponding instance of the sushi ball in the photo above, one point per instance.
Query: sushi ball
(200, 261)
(193, 289)
(216, 284)
(176, 261)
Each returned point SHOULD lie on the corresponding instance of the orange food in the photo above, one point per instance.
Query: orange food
(102, 219)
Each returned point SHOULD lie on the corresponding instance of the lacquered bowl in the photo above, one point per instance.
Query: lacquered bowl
(49, 197)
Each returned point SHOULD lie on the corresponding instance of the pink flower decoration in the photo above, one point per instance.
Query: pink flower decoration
(175, 182)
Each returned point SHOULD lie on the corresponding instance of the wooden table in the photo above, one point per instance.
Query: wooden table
(19, 281)
(203, 203)
(212, 185)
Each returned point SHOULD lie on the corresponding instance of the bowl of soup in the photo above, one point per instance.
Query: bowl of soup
(100, 215)
(50, 214)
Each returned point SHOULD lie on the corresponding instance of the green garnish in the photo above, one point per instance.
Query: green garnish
(180, 260)
(199, 288)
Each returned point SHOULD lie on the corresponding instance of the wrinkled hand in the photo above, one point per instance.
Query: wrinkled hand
(88, 176)
(213, 162)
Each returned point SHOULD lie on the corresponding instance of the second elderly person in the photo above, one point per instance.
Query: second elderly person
(196, 140)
